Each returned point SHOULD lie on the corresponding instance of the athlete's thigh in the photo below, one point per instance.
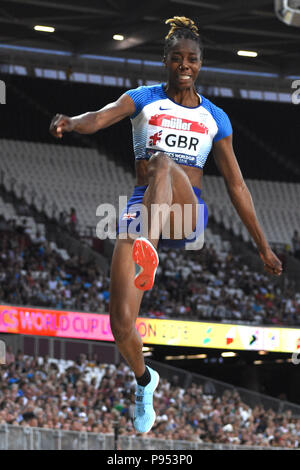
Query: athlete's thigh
(124, 296)
(184, 196)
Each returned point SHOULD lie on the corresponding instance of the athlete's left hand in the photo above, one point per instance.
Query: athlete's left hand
(272, 264)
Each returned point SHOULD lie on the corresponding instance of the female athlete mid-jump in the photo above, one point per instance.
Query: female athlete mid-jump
(174, 129)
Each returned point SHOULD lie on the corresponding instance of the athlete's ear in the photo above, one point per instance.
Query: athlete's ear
(200, 65)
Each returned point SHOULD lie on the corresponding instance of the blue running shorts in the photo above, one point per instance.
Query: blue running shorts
(131, 221)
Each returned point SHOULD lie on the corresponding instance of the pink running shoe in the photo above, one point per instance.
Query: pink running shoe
(145, 256)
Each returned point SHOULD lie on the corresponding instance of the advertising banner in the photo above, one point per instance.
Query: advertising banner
(96, 327)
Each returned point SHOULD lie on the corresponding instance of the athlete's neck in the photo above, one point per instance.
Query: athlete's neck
(187, 97)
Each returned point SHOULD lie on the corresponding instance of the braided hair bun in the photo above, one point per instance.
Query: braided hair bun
(181, 28)
(179, 22)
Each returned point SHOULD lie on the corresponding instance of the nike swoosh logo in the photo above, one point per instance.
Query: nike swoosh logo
(164, 109)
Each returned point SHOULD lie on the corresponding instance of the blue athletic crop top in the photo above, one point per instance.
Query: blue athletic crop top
(184, 134)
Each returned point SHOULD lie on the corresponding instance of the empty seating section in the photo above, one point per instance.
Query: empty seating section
(7, 210)
(29, 225)
(276, 204)
(58, 178)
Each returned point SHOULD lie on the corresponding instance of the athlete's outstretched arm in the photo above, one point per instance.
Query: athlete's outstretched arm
(91, 122)
(241, 198)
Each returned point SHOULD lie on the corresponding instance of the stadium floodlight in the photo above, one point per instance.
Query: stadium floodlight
(288, 11)
(196, 356)
(45, 29)
(247, 53)
(228, 354)
(118, 37)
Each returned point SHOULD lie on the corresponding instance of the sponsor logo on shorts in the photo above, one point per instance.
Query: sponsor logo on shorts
(129, 215)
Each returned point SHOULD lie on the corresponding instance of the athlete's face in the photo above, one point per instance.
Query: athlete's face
(183, 63)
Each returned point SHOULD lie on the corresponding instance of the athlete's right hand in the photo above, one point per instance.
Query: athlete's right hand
(59, 124)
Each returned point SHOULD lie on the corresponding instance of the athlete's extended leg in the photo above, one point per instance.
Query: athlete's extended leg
(124, 306)
(125, 302)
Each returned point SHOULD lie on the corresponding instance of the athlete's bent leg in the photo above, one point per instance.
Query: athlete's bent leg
(158, 194)
(157, 201)
(168, 186)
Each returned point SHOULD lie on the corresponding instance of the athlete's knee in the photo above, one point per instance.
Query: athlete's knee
(121, 322)
(159, 163)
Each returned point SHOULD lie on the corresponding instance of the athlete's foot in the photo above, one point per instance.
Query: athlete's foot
(144, 414)
(145, 256)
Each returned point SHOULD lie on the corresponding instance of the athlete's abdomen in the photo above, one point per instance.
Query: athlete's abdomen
(194, 174)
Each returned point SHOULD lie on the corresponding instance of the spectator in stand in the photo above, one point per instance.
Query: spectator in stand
(38, 239)
(10, 357)
(62, 219)
(296, 244)
(69, 72)
(23, 227)
(73, 221)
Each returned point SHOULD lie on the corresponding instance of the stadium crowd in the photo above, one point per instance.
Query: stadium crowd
(88, 396)
(192, 285)
(31, 273)
(208, 286)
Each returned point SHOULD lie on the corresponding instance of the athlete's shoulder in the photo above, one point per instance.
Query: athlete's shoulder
(211, 107)
(221, 118)
(145, 94)
(148, 88)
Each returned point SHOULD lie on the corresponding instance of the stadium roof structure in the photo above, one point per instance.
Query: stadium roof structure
(87, 27)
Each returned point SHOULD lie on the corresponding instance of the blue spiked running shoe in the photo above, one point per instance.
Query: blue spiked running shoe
(144, 414)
